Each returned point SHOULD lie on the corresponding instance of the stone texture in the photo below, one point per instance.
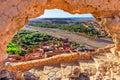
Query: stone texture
(99, 67)
(51, 72)
(15, 14)
(30, 76)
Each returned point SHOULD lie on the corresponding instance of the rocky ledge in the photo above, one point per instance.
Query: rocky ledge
(102, 65)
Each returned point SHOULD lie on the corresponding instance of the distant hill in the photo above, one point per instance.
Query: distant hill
(62, 19)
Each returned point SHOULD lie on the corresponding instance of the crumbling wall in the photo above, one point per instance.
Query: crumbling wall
(72, 57)
(24, 66)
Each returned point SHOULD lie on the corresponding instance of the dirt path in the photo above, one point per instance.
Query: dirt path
(71, 36)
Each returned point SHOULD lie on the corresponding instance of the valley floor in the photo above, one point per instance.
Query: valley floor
(71, 36)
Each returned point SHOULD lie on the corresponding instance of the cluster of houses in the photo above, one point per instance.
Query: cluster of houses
(46, 50)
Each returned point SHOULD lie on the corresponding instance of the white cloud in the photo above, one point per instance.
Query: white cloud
(57, 13)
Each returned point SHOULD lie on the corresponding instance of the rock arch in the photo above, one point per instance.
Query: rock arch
(14, 14)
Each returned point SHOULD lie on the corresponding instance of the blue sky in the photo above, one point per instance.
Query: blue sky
(57, 13)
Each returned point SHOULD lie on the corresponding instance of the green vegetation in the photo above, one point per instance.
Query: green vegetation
(29, 39)
(69, 27)
(25, 40)
(13, 48)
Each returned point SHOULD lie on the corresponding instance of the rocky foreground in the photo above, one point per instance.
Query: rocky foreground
(100, 65)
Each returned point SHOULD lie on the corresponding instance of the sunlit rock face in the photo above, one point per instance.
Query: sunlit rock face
(14, 14)
(112, 25)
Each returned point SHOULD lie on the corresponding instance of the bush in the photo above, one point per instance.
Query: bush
(69, 27)
(25, 40)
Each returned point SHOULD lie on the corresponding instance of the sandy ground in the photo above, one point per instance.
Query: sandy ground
(71, 36)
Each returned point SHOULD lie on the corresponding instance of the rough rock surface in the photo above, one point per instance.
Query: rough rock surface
(99, 65)
(102, 66)
(14, 14)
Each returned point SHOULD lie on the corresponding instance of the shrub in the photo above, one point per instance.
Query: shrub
(69, 27)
